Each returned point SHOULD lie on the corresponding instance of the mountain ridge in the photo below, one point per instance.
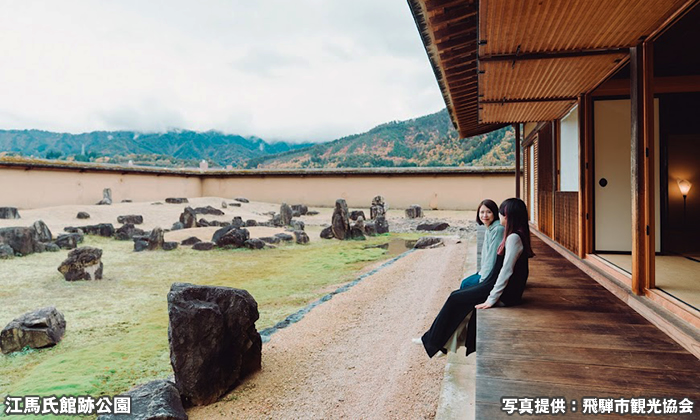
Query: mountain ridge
(426, 141)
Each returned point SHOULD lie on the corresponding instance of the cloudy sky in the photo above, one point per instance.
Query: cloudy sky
(288, 70)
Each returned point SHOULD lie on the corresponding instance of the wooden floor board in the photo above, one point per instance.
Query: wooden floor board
(571, 338)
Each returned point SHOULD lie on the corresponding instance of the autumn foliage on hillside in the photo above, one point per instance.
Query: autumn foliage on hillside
(424, 141)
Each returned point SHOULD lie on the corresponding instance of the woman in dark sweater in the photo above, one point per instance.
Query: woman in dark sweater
(504, 286)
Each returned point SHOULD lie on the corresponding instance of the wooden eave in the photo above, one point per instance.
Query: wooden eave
(448, 29)
(529, 61)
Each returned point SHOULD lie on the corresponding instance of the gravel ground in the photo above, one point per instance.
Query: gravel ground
(352, 357)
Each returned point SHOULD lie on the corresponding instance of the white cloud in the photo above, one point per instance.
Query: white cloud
(304, 70)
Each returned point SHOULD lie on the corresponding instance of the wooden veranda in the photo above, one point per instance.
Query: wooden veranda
(571, 339)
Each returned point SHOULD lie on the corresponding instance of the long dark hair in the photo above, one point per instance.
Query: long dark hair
(491, 206)
(516, 212)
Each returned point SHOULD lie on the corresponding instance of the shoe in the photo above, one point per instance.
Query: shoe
(417, 340)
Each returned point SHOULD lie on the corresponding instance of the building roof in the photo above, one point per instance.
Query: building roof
(448, 29)
(510, 61)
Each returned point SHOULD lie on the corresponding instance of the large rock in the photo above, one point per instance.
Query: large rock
(213, 340)
(84, 263)
(302, 209)
(428, 242)
(327, 233)
(203, 246)
(36, 329)
(371, 228)
(230, 236)
(188, 218)
(23, 240)
(177, 226)
(297, 224)
(9, 213)
(83, 215)
(43, 232)
(378, 207)
(270, 239)
(156, 239)
(237, 222)
(127, 232)
(67, 240)
(433, 226)
(221, 232)
(209, 210)
(6, 252)
(254, 243)
(381, 225)
(102, 229)
(285, 214)
(51, 247)
(340, 223)
(357, 230)
(134, 219)
(356, 214)
(190, 241)
(242, 200)
(176, 200)
(414, 211)
(140, 245)
(159, 399)
(301, 237)
(284, 237)
(169, 246)
(106, 197)
(251, 222)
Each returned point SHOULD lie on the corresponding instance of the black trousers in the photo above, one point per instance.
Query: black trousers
(460, 304)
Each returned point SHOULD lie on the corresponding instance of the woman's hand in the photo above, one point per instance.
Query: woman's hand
(483, 306)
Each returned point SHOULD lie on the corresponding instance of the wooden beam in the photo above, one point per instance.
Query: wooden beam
(455, 42)
(551, 55)
(639, 227)
(467, 27)
(463, 83)
(517, 160)
(465, 46)
(673, 18)
(432, 5)
(671, 84)
(459, 62)
(453, 14)
(520, 101)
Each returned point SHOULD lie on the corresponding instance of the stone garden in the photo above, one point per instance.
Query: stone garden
(206, 319)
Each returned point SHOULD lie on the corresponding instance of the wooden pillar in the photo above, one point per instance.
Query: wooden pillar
(642, 102)
(555, 175)
(582, 171)
(517, 160)
(649, 175)
(589, 181)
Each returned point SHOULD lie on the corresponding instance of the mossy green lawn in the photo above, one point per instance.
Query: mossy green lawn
(117, 328)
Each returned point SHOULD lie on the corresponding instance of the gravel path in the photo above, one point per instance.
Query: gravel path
(352, 357)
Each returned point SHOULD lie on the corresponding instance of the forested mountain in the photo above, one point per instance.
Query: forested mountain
(173, 148)
(426, 141)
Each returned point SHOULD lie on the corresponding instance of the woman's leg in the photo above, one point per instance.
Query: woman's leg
(456, 308)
